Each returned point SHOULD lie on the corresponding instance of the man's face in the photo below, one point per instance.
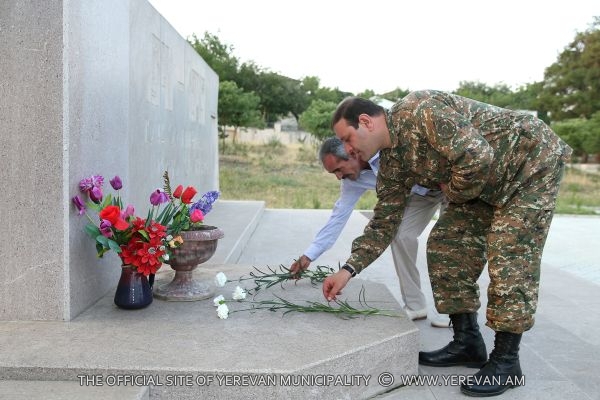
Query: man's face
(342, 169)
(356, 141)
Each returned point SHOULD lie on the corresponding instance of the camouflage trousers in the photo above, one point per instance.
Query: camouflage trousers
(510, 239)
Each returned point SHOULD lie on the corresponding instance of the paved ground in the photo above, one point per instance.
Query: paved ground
(560, 356)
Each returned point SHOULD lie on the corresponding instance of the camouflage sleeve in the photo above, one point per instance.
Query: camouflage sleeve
(382, 227)
(455, 138)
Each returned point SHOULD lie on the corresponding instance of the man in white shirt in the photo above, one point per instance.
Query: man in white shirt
(357, 177)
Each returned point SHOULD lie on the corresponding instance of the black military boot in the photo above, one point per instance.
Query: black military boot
(467, 348)
(501, 372)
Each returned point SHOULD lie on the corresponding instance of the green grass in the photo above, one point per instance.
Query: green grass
(291, 177)
(579, 193)
(284, 177)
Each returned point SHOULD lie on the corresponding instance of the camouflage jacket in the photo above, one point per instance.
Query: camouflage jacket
(478, 150)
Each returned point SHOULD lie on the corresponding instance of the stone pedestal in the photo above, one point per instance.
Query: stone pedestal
(182, 350)
(89, 87)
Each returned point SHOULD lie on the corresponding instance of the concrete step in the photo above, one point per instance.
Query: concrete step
(238, 220)
(68, 390)
(183, 350)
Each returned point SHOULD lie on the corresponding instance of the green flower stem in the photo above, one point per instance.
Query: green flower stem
(264, 280)
(343, 309)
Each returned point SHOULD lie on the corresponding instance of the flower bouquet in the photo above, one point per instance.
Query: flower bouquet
(184, 218)
(180, 213)
(142, 244)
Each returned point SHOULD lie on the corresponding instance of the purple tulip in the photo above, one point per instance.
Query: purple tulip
(116, 182)
(158, 197)
(128, 212)
(79, 204)
(96, 195)
(106, 228)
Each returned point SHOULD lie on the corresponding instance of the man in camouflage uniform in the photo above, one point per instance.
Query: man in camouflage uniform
(500, 170)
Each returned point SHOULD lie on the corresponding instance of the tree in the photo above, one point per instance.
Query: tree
(592, 142)
(571, 88)
(395, 94)
(317, 118)
(367, 94)
(331, 95)
(237, 108)
(583, 135)
(527, 97)
(219, 56)
(280, 96)
(499, 95)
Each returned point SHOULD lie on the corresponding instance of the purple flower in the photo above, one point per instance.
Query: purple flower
(206, 202)
(87, 184)
(116, 182)
(96, 195)
(79, 204)
(97, 180)
(158, 197)
(105, 228)
(128, 212)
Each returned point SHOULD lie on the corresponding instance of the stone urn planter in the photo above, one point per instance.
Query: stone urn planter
(198, 246)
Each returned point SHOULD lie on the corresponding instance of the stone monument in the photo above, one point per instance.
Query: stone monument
(89, 87)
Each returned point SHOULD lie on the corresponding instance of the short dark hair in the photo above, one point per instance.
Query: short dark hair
(351, 107)
(334, 146)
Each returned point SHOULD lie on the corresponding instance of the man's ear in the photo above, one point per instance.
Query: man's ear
(366, 120)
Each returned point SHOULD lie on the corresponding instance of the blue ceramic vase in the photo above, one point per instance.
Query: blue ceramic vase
(133, 291)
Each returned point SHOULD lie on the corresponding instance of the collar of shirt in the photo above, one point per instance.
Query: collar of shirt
(374, 163)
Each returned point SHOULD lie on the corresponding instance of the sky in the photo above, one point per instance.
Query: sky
(381, 45)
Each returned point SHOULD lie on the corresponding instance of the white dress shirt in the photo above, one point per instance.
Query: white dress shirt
(350, 192)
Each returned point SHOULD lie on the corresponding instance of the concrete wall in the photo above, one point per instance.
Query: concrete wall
(173, 118)
(89, 87)
(31, 168)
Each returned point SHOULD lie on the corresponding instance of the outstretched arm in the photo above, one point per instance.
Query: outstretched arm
(350, 193)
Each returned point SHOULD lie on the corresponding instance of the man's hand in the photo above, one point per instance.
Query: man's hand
(333, 284)
(300, 265)
(444, 187)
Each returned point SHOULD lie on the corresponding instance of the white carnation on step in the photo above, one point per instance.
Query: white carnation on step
(220, 279)
(217, 300)
(239, 293)
(223, 311)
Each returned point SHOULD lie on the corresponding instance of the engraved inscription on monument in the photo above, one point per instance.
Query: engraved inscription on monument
(161, 85)
(196, 97)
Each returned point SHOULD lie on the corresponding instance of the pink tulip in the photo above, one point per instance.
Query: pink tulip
(196, 216)
(128, 212)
